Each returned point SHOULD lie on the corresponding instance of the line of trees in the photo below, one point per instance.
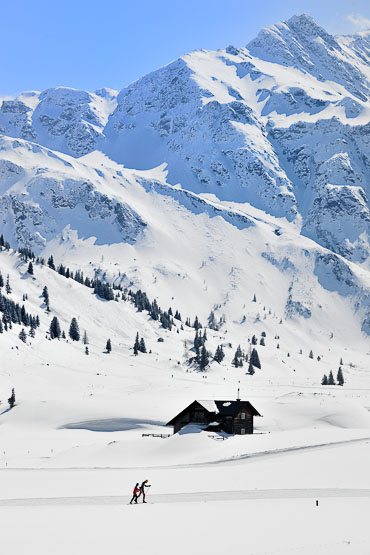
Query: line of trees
(139, 345)
(329, 380)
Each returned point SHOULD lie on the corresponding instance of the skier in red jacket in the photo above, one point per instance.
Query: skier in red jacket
(136, 493)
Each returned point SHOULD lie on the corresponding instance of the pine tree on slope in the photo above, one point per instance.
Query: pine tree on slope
(204, 358)
(74, 330)
(255, 359)
(251, 370)
(142, 346)
(55, 331)
(136, 344)
(108, 346)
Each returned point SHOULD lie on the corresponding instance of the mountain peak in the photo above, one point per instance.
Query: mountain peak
(302, 20)
(305, 25)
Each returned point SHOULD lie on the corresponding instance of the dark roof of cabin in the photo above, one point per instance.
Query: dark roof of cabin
(220, 408)
(232, 408)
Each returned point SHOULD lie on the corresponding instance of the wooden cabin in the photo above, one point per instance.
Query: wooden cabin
(231, 417)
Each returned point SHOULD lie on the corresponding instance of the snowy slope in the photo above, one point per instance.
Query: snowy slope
(235, 182)
(72, 447)
(236, 157)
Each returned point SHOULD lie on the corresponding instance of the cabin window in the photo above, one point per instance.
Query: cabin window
(242, 415)
(242, 431)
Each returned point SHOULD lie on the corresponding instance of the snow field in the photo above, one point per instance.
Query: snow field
(260, 527)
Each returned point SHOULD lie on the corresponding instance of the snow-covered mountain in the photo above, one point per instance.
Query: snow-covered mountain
(263, 146)
(231, 186)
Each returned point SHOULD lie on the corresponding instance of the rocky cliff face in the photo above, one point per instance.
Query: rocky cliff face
(63, 119)
(42, 198)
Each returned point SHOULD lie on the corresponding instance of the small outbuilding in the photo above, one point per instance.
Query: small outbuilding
(231, 417)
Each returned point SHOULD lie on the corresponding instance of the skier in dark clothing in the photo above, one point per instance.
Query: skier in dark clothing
(142, 489)
(136, 493)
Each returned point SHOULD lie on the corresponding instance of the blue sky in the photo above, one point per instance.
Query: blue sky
(92, 44)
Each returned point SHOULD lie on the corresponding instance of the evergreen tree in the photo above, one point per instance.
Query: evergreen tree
(340, 363)
(45, 294)
(55, 331)
(136, 344)
(74, 330)
(262, 341)
(311, 354)
(255, 359)
(196, 324)
(108, 346)
(11, 399)
(212, 324)
(254, 340)
(154, 310)
(85, 339)
(1, 280)
(219, 354)
(24, 317)
(324, 380)
(31, 333)
(251, 370)
(142, 345)
(105, 291)
(340, 377)
(254, 298)
(63, 334)
(2, 241)
(165, 321)
(331, 378)
(51, 262)
(238, 358)
(23, 336)
(86, 350)
(30, 268)
(177, 315)
(8, 289)
(204, 358)
(197, 342)
(61, 270)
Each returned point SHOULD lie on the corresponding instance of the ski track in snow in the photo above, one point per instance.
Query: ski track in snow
(235, 459)
(192, 497)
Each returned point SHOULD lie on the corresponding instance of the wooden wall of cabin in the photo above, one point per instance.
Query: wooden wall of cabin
(196, 415)
(243, 425)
